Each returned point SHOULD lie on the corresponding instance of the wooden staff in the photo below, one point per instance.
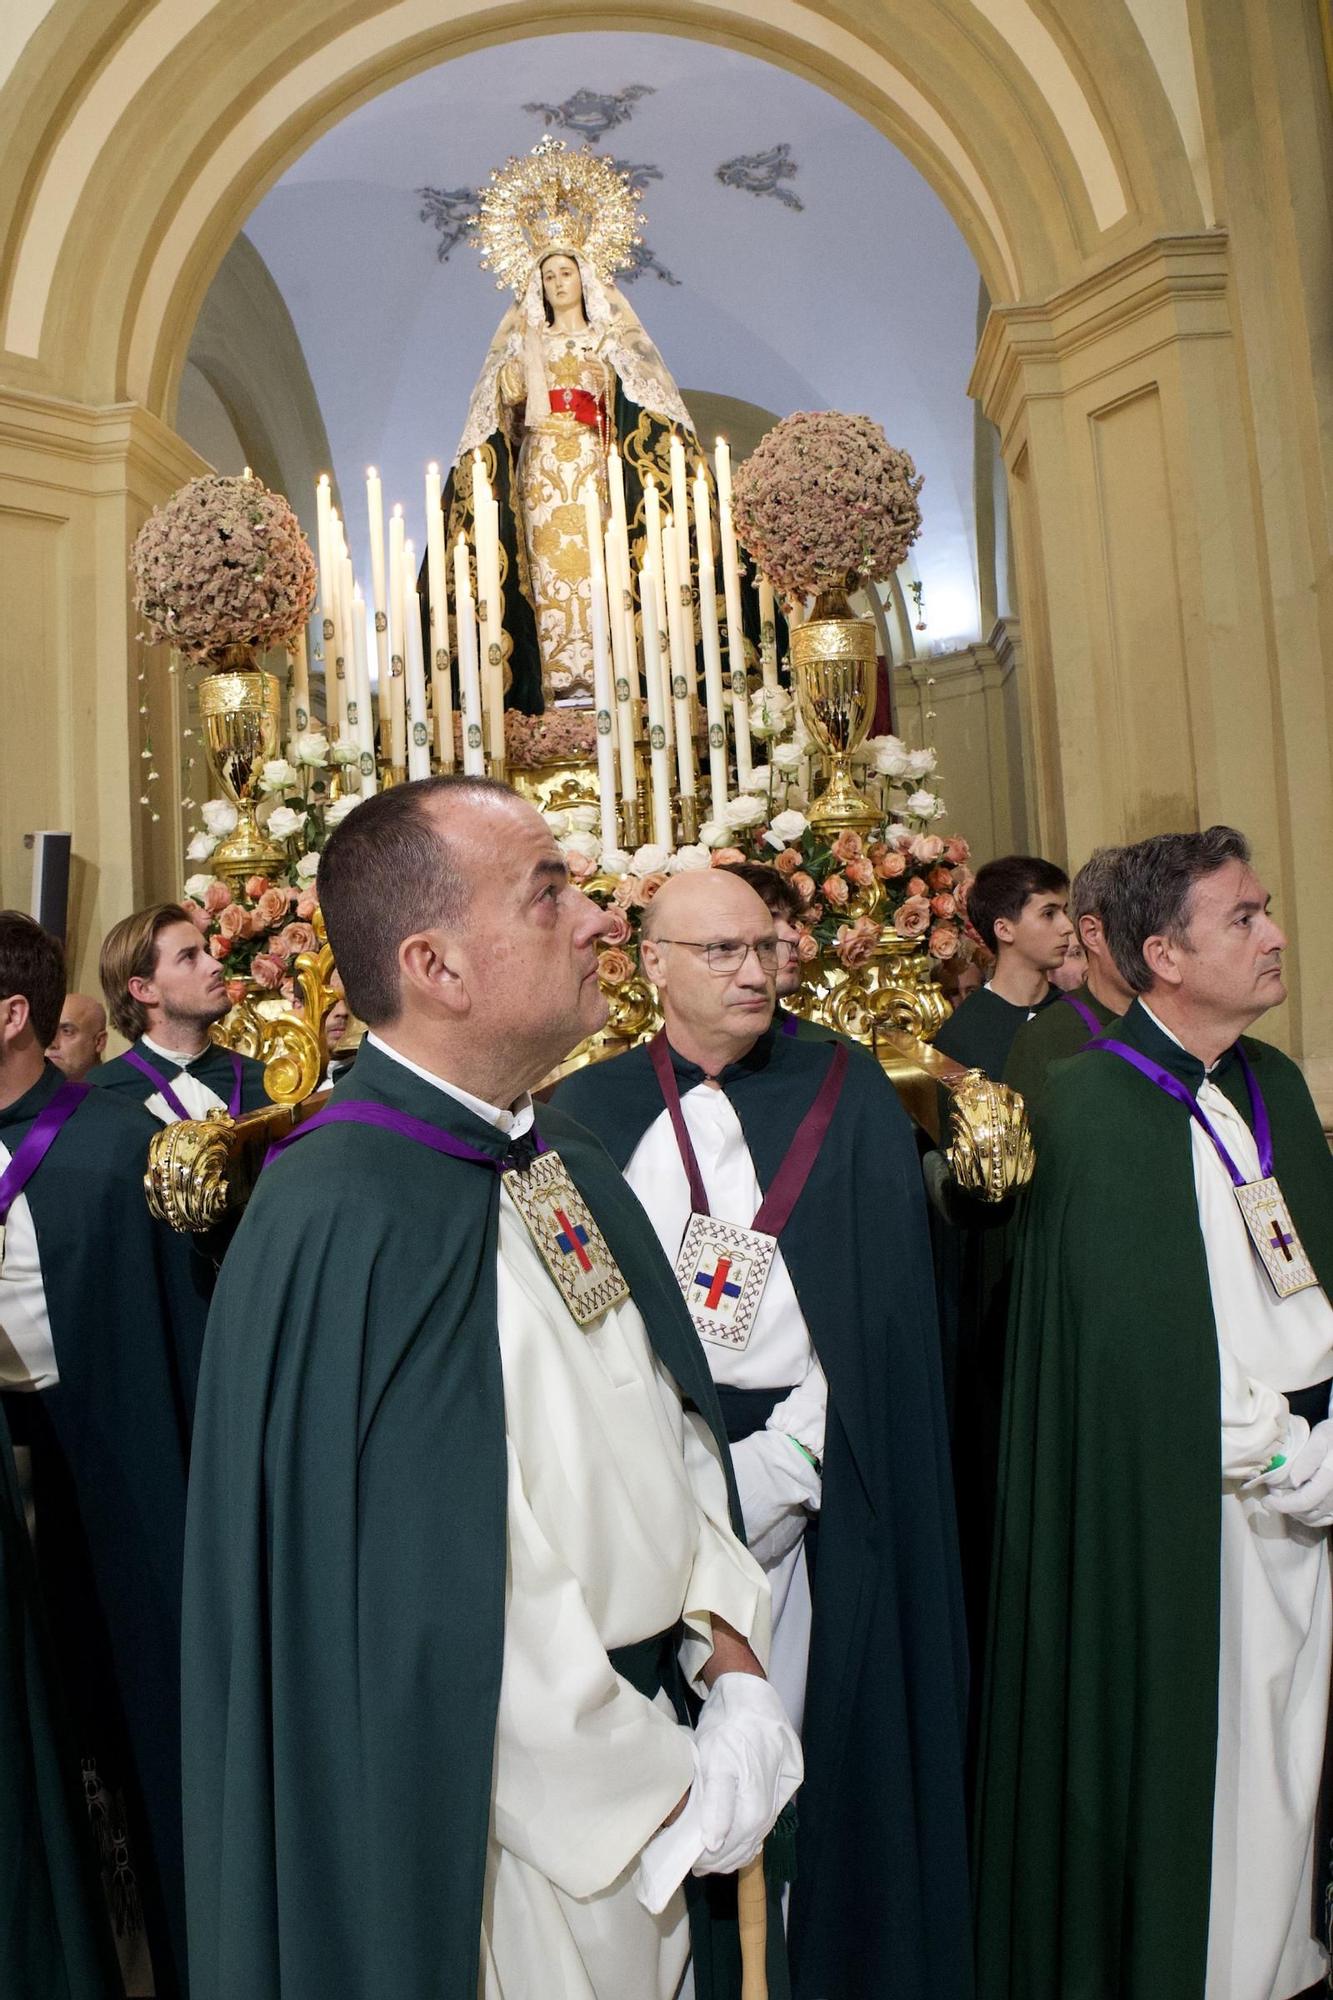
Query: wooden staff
(752, 1923)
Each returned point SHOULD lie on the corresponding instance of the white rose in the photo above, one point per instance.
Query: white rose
(199, 849)
(219, 816)
(925, 805)
(278, 775)
(312, 748)
(785, 757)
(761, 778)
(196, 885)
(712, 834)
(587, 844)
(336, 812)
(789, 826)
(770, 711)
(283, 823)
(615, 861)
(889, 755)
(558, 822)
(686, 859)
(308, 867)
(743, 811)
(649, 859)
(584, 819)
(344, 753)
(920, 763)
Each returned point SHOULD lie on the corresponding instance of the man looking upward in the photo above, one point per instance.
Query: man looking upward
(459, 1524)
(781, 1177)
(1017, 906)
(80, 1040)
(165, 992)
(1157, 1692)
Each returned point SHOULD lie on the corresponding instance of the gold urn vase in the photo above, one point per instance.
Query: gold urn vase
(241, 711)
(833, 658)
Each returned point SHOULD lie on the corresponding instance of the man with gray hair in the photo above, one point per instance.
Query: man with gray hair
(1063, 1028)
(1162, 1621)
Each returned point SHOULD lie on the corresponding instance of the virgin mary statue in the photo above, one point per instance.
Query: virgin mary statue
(569, 373)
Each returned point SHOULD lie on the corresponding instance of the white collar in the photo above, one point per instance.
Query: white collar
(1173, 1038)
(174, 1055)
(515, 1121)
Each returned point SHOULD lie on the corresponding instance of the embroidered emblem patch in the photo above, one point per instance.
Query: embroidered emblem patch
(722, 1270)
(573, 1248)
(1273, 1234)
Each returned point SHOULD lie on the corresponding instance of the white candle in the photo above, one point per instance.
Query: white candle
(603, 692)
(740, 693)
(623, 680)
(365, 716)
(418, 728)
(336, 690)
(469, 676)
(680, 514)
(349, 705)
(328, 630)
(768, 633)
(682, 670)
(659, 769)
(722, 461)
(378, 592)
(296, 653)
(714, 697)
(397, 642)
(488, 578)
(437, 577)
(654, 530)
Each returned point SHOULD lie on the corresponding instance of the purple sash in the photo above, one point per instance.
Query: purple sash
(33, 1149)
(364, 1111)
(1173, 1087)
(164, 1089)
(791, 1177)
(1085, 1014)
(790, 1025)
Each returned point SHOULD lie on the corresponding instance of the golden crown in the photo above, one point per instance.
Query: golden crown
(556, 200)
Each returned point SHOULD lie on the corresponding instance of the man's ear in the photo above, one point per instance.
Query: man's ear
(15, 1014)
(653, 961)
(430, 971)
(1091, 931)
(1162, 959)
(1004, 931)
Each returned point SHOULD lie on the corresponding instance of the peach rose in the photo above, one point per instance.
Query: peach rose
(943, 941)
(855, 942)
(271, 907)
(581, 867)
(614, 966)
(834, 890)
(956, 851)
(789, 861)
(236, 989)
(860, 874)
(216, 898)
(198, 915)
(725, 857)
(649, 887)
(916, 886)
(219, 947)
(294, 938)
(889, 865)
(804, 885)
(944, 905)
(234, 922)
(807, 947)
(266, 970)
(255, 886)
(306, 907)
(619, 930)
(927, 847)
(848, 847)
(940, 878)
(625, 895)
(913, 917)
(904, 842)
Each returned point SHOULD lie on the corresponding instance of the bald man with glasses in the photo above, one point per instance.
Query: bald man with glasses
(781, 1177)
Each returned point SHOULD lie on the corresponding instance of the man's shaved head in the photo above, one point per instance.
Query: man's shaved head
(713, 1015)
(80, 1039)
(703, 903)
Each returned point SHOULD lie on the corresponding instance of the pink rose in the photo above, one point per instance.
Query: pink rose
(927, 847)
(956, 851)
(889, 865)
(625, 895)
(234, 922)
(216, 898)
(266, 971)
(913, 917)
(804, 885)
(807, 948)
(940, 878)
(614, 966)
(581, 867)
(855, 942)
(725, 857)
(255, 886)
(198, 915)
(860, 874)
(943, 941)
(219, 947)
(848, 847)
(271, 907)
(306, 907)
(944, 904)
(834, 890)
(619, 930)
(236, 991)
(789, 861)
(293, 939)
(905, 842)
(649, 887)
(916, 886)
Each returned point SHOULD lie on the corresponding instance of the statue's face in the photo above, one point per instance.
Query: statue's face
(561, 282)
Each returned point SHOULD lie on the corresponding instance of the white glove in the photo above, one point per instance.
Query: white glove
(804, 1414)
(750, 1764)
(778, 1486)
(1302, 1489)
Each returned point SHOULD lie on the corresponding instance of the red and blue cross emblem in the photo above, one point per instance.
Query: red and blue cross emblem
(717, 1285)
(572, 1240)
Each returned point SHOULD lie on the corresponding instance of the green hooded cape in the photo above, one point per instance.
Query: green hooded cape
(1095, 1811)
(879, 1903)
(213, 1067)
(345, 1560)
(1053, 1033)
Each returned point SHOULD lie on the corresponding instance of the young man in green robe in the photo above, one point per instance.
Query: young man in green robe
(1018, 906)
(828, 1374)
(460, 1534)
(1157, 1690)
(101, 1324)
(1090, 1008)
(165, 991)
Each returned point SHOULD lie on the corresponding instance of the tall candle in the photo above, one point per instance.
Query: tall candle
(397, 643)
(680, 514)
(658, 767)
(682, 670)
(336, 688)
(378, 590)
(469, 675)
(714, 697)
(437, 574)
(327, 586)
(623, 671)
(349, 705)
(603, 693)
(488, 579)
(722, 462)
(296, 653)
(768, 633)
(418, 729)
(365, 717)
(740, 693)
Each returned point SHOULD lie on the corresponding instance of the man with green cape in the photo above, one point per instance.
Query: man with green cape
(459, 1532)
(101, 1324)
(1063, 1028)
(781, 1176)
(1162, 1620)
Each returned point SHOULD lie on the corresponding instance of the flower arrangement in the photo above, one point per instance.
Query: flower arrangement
(560, 736)
(257, 936)
(223, 563)
(825, 503)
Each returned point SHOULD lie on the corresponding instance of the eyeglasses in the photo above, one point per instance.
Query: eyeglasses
(730, 954)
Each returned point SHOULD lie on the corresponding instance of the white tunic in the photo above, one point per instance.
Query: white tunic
(195, 1095)
(779, 1351)
(27, 1351)
(1276, 1650)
